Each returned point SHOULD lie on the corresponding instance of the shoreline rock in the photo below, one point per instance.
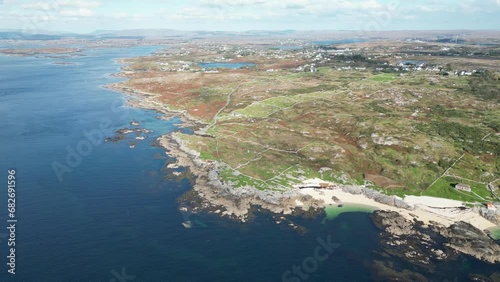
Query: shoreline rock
(143, 100)
(422, 244)
(210, 194)
(233, 202)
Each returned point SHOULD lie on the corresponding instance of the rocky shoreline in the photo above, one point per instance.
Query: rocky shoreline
(143, 100)
(237, 203)
(412, 240)
(212, 195)
(221, 198)
(423, 244)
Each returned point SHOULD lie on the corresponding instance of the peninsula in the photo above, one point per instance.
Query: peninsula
(408, 125)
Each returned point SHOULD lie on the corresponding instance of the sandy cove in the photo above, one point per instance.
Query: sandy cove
(237, 202)
(425, 209)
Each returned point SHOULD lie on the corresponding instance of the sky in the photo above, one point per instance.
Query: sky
(84, 16)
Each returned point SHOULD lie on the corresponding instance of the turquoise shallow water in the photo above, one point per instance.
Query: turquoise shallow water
(334, 211)
(495, 233)
(115, 212)
(115, 209)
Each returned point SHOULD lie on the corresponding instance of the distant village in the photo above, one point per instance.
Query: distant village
(316, 56)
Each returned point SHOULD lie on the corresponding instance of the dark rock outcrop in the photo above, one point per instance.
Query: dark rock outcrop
(467, 239)
(421, 244)
(336, 200)
(491, 215)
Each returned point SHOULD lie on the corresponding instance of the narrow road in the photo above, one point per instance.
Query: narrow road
(228, 101)
(446, 171)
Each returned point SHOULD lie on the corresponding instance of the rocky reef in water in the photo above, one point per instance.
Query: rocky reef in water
(424, 245)
(212, 194)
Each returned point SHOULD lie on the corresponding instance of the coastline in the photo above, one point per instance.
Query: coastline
(429, 210)
(444, 214)
(222, 198)
(211, 194)
(143, 100)
(236, 203)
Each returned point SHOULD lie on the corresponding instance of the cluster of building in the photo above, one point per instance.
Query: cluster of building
(466, 188)
(307, 68)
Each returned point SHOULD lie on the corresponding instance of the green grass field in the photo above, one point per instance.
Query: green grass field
(444, 188)
(385, 77)
(286, 126)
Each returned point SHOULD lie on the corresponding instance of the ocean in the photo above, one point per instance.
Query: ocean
(89, 210)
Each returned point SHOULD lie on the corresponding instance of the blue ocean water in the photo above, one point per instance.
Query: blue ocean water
(112, 215)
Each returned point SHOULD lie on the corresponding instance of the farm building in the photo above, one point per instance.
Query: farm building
(463, 187)
(491, 206)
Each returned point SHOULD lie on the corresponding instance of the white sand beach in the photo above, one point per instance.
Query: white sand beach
(427, 209)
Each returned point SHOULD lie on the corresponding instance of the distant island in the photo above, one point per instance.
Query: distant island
(40, 51)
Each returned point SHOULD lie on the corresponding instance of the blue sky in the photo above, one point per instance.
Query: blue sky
(89, 15)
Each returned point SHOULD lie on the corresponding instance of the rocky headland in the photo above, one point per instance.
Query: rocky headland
(424, 244)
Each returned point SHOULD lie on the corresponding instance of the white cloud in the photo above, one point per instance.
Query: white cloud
(57, 5)
(82, 12)
(222, 3)
(272, 9)
(312, 5)
(43, 6)
(480, 6)
(243, 14)
(120, 16)
(435, 6)
(465, 6)
(197, 13)
(429, 9)
(55, 10)
(8, 2)
(341, 14)
(80, 4)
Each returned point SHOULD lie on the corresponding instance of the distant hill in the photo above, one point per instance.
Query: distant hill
(185, 33)
(12, 35)
(442, 36)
